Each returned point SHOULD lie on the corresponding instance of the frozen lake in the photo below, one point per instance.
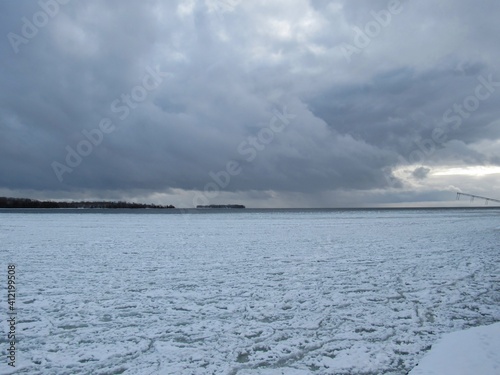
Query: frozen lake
(246, 292)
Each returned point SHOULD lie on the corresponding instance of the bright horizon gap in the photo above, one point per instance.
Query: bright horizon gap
(467, 171)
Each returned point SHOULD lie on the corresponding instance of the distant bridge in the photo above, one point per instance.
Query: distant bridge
(472, 197)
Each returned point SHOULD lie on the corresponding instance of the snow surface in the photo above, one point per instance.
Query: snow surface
(473, 351)
(247, 293)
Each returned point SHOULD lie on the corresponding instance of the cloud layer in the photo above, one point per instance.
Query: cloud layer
(379, 95)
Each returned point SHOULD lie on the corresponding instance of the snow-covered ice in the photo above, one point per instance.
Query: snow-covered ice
(247, 293)
(473, 351)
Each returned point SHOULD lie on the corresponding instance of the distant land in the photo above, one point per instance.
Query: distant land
(222, 206)
(32, 203)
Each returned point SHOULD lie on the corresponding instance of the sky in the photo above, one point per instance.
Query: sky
(297, 103)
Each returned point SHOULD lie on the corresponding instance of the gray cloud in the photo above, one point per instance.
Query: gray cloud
(421, 173)
(225, 75)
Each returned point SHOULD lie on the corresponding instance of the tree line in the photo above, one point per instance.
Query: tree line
(33, 203)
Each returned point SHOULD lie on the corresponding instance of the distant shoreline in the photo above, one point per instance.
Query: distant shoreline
(26, 203)
(36, 204)
(221, 206)
(193, 210)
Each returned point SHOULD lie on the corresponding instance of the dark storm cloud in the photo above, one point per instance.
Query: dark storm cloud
(221, 74)
(421, 173)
